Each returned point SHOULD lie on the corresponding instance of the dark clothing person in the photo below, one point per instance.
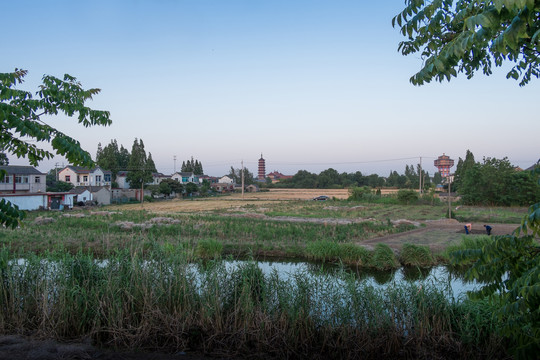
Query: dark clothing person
(488, 229)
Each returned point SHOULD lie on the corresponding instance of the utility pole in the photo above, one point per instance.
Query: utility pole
(242, 179)
(420, 176)
(449, 203)
(174, 157)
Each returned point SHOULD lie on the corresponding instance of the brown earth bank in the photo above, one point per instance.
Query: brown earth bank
(20, 347)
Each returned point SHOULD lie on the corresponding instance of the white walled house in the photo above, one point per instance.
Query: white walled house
(36, 201)
(121, 180)
(225, 180)
(123, 183)
(80, 176)
(100, 194)
(185, 177)
(22, 179)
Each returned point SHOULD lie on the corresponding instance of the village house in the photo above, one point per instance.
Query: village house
(22, 179)
(81, 176)
(225, 180)
(123, 183)
(42, 200)
(100, 194)
(276, 176)
(185, 177)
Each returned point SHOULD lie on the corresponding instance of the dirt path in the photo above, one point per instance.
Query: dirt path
(437, 234)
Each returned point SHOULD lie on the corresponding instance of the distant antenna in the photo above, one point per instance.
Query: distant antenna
(174, 157)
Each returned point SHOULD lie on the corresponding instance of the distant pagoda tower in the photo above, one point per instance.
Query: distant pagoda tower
(444, 163)
(262, 169)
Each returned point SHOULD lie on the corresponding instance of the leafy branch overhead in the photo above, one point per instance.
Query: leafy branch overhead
(21, 117)
(23, 128)
(471, 36)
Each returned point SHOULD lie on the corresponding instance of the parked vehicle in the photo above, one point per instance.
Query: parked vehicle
(321, 198)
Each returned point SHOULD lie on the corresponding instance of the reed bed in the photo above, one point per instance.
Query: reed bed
(238, 235)
(162, 301)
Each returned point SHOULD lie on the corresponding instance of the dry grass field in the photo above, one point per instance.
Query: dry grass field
(233, 201)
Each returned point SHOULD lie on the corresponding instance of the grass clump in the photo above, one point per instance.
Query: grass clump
(323, 250)
(358, 255)
(209, 249)
(467, 243)
(416, 255)
(384, 258)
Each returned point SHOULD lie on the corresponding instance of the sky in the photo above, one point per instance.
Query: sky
(310, 84)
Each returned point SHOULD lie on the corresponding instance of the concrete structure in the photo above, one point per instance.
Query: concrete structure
(157, 178)
(262, 169)
(276, 176)
(185, 177)
(99, 194)
(444, 163)
(22, 179)
(211, 179)
(81, 176)
(37, 201)
(222, 187)
(123, 183)
(252, 188)
(225, 180)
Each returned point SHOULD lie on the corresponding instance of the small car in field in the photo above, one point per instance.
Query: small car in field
(321, 198)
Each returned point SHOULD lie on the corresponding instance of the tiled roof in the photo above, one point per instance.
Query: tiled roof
(21, 170)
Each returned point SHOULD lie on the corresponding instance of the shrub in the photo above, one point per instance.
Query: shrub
(384, 258)
(416, 255)
(407, 196)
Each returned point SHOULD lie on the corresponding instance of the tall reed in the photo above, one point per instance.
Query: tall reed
(161, 301)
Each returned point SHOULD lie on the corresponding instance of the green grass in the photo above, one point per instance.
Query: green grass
(161, 302)
(416, 255)
(384, 258)
(467, 242)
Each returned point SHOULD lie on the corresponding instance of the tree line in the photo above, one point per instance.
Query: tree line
(138, 165)
(332, 179)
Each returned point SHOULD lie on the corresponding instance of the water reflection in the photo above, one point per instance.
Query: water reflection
(441, 276)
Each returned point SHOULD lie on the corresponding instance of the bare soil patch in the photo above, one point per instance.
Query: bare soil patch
(438, 234)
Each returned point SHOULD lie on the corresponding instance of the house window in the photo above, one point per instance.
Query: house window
(107, 177)
(85, 178)
(78, 179)
(68, 178)
(21, 179)
(98, 178)
(37, 180)
(185, 179)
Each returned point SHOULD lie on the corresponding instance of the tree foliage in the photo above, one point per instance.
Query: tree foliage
(236, 175)
(112, 158)
(23, 129)
(193, 166)
(496, 182)
(139, 170)
(4, 161)
(170, 185)
(467, 36)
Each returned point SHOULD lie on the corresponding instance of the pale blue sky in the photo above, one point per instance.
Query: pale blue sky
(310, 84)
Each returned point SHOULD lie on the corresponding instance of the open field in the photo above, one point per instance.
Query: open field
(280, 222)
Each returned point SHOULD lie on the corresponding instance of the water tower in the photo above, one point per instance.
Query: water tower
(444, 163)
(261, 175)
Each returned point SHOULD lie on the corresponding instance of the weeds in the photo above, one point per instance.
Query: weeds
(166, 303)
